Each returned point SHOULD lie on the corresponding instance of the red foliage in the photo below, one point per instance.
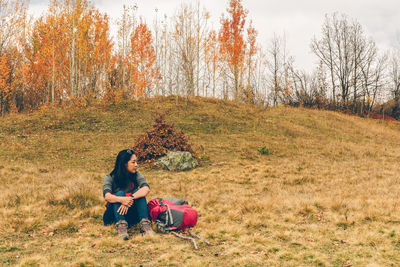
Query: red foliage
(379, 116)
(157, 142)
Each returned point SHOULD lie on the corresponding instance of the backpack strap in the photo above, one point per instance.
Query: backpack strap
(169, 219)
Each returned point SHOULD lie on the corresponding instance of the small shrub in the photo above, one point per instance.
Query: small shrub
(264, 150)
(157, 142)
(299, 169)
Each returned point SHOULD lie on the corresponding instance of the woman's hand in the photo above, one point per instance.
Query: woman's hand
(123, 209)
(127, 201)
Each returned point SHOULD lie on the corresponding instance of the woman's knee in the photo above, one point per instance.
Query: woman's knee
(120, 194)
(141, 203)
(141, 200)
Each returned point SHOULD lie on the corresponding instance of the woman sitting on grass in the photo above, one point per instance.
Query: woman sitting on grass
(125, 190)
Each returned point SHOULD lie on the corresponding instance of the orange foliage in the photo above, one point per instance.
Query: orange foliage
(232, 44)
(211, 48)
(141, 61)
(12, 21)
(66, 56)
(251, 38)
(69, 54)
(5, 88)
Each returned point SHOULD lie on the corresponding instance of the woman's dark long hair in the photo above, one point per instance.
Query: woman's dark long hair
(121, 175)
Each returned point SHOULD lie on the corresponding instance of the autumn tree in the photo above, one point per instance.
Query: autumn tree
(45, 55)
(12, 28)
(90, 49)
(64, 63)
(143, 71)
(250, 90)
(232, 43)
(5, 85)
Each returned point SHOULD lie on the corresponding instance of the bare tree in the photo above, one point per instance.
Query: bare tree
(394, 74)
(12, 19)
(189, 34)
(126, 25)
(343, 49)
(324, 49)
(373, 79)
(303, 91)
(278, 67)
(275, 67)
(156, 30)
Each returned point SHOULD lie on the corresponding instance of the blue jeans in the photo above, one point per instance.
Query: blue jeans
(136, 212)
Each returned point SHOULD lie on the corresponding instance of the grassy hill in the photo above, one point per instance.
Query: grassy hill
(327, 194)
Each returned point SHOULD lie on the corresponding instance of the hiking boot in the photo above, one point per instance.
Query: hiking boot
(145, 227)
(122, 228)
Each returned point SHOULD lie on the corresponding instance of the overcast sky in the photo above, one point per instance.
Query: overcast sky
(299, 20)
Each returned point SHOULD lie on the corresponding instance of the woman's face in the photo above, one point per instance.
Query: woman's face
(131, 165)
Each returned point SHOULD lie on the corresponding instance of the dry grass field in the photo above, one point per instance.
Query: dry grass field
(328, 193)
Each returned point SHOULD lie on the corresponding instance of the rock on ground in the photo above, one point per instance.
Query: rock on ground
(178, 161)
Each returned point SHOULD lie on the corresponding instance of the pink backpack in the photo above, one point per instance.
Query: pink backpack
(171, 214)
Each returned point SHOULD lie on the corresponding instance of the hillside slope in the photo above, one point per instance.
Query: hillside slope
(328, 193)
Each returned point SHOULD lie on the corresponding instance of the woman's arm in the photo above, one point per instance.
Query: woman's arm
(142, 192)
(127, 201)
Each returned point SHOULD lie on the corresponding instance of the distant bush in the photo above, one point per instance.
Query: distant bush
(157, 142)
(264, 150)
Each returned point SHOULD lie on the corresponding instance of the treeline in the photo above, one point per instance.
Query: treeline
(68, 56)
